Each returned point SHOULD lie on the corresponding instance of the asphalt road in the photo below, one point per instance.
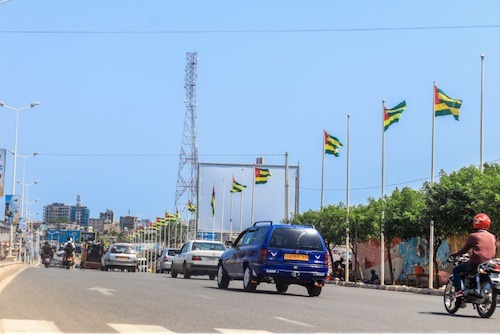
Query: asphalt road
(75, 301)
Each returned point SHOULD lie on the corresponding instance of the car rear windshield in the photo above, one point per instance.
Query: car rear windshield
(173, 252)
(123, 249)
(296, 238)
(208, 246)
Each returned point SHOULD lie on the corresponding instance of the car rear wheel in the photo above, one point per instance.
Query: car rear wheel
(186, 272)
(281, 287)
(313, 290)
(173, 273)
(249, 283)
(222, 278)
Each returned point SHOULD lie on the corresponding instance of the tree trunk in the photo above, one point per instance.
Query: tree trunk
(389, 260)
(438, 243)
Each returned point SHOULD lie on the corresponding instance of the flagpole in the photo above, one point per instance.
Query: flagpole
(169, 228)
(431, 228)
(382, 237)
(222, 210)
(213, 214)
(253, 194)
(286, 186)
(241, 201)
(322, 170)
(175, 233)
(347, 201)
(231, 219)
(481, 135)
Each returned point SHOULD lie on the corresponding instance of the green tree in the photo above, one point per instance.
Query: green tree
(450, 205)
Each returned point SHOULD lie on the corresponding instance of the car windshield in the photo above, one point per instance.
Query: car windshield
(172, 252)
(123, 249)
(296, 238)
(208, 246)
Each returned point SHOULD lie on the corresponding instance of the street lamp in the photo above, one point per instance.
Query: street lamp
(24, 199)
(29, 233)
(17, 110)
(24, 173)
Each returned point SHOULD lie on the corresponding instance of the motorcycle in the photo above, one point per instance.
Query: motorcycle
(46, 260)
(480, 287)
(68, 260)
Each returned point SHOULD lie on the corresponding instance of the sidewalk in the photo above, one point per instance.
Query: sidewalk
(399, 288)
(8, 268)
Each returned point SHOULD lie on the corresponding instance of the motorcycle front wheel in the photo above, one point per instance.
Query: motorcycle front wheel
(451, 304)
(489, 294)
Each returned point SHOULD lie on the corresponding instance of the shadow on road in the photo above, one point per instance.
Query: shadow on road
(449, 315)
(264, 292)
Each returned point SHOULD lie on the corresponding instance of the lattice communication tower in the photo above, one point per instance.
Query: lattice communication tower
(187, 176)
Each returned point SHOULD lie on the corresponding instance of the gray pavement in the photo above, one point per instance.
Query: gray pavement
(9, 268)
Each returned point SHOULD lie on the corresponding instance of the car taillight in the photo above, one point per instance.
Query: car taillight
(496, 267)
(165, 259)
(196, 258)
(262, 255)
(325, 261)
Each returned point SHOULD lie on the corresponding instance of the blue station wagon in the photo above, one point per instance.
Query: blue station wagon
(276, 253)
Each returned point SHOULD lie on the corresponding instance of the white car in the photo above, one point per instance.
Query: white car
(120, 256)
(164, 261)
(197, 257)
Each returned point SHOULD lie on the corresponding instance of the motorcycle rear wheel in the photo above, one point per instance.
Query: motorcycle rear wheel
(451, 304)
(486, 309)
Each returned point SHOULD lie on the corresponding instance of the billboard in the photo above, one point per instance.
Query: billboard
(233, 211)
(12, 209)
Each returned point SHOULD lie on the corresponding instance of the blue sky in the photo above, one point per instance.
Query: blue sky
(271, 76)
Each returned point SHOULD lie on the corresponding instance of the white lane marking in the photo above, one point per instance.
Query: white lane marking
(27, 326)
(104, 291)
(126, 328)
(239, 331)
(294, 322)
(201, 296)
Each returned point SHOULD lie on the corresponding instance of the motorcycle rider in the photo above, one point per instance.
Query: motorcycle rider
(47, 251)
(482, 246)
(68, 247)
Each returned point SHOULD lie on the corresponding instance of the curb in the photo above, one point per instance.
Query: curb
(8, 268)
(398, 288)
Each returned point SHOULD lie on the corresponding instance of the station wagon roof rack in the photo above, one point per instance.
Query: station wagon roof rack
(263, 222)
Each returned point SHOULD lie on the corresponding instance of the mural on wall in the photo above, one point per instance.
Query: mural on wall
(408, 257)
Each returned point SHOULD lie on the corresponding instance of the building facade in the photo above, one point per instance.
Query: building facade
(128, 222)
(56, 212)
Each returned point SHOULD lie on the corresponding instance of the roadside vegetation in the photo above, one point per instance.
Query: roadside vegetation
(451, 202)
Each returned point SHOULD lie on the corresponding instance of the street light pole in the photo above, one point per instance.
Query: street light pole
(17, 110)
(24, 157)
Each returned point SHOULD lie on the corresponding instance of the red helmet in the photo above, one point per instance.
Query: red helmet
(481, 222)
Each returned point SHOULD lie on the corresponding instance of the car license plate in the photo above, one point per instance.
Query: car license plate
(297, 257)
(122, 257)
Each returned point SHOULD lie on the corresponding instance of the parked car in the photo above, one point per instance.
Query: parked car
(120, 256)
(197, 257)
(164, 261)
(276, 253)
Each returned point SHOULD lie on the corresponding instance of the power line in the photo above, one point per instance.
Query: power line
(245, 31)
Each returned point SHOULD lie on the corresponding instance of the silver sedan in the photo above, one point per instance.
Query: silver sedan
(197, 257)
